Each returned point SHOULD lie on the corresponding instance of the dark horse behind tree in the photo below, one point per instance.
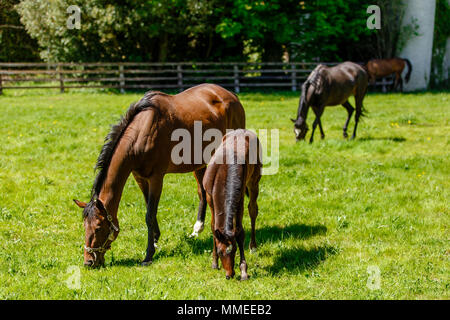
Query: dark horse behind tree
(234, 169)
(380, 68)
(331, 86)
(141, 144)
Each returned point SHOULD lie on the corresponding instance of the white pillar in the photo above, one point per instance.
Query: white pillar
(418, 49)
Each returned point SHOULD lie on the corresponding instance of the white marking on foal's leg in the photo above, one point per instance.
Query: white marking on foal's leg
(198, 228)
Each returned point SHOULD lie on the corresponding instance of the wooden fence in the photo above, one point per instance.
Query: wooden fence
(180, 75)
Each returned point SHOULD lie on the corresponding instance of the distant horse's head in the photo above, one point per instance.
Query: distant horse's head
(226, 250)
(100, 232)
(300, 129)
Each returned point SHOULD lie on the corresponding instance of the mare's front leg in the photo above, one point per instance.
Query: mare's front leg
(154, 193)
(199, 224)
(318, 112)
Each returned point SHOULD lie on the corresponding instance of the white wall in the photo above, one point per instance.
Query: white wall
(418, 49)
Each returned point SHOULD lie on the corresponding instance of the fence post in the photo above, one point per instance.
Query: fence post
(61, 79)
(180, 77)
(1, 88)
(293, 78)
(236, 79)
(122, 79)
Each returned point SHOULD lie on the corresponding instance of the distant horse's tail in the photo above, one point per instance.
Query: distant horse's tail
(408, 74)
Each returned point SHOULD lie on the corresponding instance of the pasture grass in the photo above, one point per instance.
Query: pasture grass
(335, 214)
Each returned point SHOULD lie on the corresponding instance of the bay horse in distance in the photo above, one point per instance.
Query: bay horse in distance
(331, 86)
(141, 144)
(234, 169)
(380, 68)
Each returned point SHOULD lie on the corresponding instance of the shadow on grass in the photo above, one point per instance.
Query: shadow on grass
(394, 139)
(264, 235)
(268, 234)
(299, 259)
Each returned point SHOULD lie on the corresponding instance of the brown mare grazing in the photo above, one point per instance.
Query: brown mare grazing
(234, 169)
(380, 68)
(331, 86)
(141, 144)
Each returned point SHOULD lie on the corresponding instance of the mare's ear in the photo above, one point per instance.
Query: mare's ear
(81, 204)
(219, 235)
(293, 120)
(99, 205)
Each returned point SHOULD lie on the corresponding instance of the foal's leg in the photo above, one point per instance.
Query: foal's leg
(242, 264)
(215, 264)
(199, 224)
(253, 191)
(350, 110)
(154, 193)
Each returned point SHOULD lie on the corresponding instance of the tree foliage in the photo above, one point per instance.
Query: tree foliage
(15, 43)
(198, 30)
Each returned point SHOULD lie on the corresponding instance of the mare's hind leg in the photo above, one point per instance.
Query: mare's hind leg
(350, 110)
(199, 224)
(359, 108)
(154, 193)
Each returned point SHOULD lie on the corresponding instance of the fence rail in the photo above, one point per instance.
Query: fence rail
(150, 75)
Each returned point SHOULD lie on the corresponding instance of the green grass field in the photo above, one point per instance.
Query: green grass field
(336, 213)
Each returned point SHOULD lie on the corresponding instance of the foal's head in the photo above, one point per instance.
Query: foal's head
(226, 249)
(100, 232)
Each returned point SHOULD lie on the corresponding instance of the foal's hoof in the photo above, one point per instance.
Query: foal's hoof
(215, 266)
(146, 263)
(253, 249)
(244, 277)
(345, 135)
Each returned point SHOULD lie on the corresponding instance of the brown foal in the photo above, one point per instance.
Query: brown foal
(141, 144)
(234, 169)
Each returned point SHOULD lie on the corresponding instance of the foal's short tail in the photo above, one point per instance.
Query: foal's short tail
(408, 74)
(233, 196)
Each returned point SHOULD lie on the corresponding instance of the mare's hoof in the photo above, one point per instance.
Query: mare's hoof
(215, 266)
(253, 250)
(146, 263)
(228, 277)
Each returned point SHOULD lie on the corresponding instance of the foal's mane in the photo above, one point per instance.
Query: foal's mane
(113, 138)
